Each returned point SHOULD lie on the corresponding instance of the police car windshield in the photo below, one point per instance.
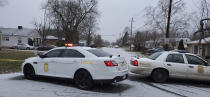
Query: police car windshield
(155, 56)
(99, 53)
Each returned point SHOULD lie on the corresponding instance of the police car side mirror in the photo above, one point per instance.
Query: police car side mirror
(37, 53)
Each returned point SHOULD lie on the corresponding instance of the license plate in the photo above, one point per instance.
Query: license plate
(122, 65)
(122, 68)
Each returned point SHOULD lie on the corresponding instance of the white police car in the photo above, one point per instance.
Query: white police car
(84, 65)
(162, 65)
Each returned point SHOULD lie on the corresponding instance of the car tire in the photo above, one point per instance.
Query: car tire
(29, 72)
(27, 48)
(83, 80)
(159, 75)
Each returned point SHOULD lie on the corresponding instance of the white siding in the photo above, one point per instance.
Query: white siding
(13, 40)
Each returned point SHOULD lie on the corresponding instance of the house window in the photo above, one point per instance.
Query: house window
(196, 49)
(5, 38)
(19, 40)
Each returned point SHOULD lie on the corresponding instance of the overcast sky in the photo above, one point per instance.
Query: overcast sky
(115, 15)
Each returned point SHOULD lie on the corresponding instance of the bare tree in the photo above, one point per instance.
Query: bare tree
(157, 17)
(202, 13)
(155, 37)
(88, 29)
(125, 39)
(71, 14)
(43, 28)
(98, 41)
(140, 39)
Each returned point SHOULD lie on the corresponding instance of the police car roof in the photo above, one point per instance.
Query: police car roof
(175, 52)
(84, 48)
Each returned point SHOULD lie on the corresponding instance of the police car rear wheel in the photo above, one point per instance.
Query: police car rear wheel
(29, 72)
(83, 80)
(159, 76)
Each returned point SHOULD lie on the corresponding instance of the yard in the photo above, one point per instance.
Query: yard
(11, 60)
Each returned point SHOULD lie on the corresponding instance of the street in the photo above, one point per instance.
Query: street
(15, 85)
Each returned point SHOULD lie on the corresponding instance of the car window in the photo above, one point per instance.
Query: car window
(195, 60)
(72, 53)
(155, 56)
(175, 58)
(54, 53)
(19, 44)
(99, 53)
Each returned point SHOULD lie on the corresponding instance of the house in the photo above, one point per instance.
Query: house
(152, 43)
(174, 42)
(13, 36)
(52, 40)
(200, 48)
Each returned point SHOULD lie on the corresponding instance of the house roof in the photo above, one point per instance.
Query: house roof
(19, 32)
(203, 41)
(50, 37)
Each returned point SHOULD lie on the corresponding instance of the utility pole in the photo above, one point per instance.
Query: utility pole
(168, 26)
(131, 37)
(132, 27)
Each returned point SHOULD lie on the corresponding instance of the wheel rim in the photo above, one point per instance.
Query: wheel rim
(83, 80)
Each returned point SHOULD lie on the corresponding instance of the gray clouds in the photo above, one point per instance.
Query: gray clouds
(115, 14)
(3, 3)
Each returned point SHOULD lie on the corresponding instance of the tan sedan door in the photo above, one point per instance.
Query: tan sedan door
(197, 68)
(176, 65)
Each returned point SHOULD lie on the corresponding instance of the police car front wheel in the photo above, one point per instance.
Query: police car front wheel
(29, 72)
(83, 80)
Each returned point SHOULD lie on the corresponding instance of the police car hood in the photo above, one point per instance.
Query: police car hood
(32, 58)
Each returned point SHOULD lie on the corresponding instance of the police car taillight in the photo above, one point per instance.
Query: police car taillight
(110, 63)
(135, 63)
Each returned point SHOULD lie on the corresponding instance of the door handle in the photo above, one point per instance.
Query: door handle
(191, 66)
(169, 64)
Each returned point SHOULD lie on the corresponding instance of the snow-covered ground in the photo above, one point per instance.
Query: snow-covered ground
(14, 85)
